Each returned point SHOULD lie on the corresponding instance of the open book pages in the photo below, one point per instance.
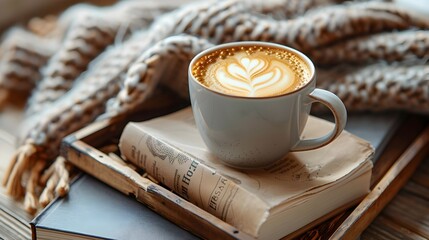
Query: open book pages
(266, 203)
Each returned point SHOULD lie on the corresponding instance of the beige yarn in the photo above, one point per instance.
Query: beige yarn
(317, 30)
(22, 55)
(389, 47)
(147, 71)
(383, 86)
(86, 39)
(281, 9)
(93, 30)
(127, 73)
(88, 102)
(47, 26)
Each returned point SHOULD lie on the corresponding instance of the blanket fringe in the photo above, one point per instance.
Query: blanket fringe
(31, 202)
(21, 161)
(56, 181)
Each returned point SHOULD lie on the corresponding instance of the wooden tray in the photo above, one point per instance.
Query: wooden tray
(391, 171)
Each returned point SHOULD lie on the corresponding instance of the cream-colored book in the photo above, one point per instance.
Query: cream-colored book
(267, 203)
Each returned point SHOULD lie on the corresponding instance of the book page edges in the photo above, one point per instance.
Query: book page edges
(323, 205)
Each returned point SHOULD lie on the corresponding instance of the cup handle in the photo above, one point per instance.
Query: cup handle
(337, 108)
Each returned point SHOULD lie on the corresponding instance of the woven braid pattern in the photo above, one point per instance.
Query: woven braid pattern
(125, 74)
(282, 9)
(88, 36)
(384, 86)
(85, 40)
(89, 98)
(390, 47)
(146, 72)
(22, 56)
(231, 21)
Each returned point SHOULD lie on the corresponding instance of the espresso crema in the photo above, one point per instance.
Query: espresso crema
(252, 71)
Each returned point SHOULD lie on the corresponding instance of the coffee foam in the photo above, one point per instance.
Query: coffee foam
(252, 71)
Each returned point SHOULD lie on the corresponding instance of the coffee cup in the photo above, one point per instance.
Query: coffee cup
(251, 102)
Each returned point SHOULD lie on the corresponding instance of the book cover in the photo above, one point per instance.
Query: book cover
(283, 198)
(93, 210)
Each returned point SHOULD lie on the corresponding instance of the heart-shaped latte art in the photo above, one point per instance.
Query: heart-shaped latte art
(254, 76)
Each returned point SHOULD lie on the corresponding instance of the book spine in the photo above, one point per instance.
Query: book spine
(193, 180)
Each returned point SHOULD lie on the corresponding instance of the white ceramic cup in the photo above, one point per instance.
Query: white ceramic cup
(249, 132)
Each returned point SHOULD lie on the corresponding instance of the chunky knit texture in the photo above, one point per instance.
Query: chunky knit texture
(371, 54)
(22, 56)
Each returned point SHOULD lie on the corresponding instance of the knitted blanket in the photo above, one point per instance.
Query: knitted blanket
(103, 62)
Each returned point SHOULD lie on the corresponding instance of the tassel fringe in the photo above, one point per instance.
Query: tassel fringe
(54, 181)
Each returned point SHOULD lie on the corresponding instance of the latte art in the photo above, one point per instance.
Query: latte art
(251, 71)
(252, 76)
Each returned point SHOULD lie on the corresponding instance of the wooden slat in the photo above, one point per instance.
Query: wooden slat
(385, 190)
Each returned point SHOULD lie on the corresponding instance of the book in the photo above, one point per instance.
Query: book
(267, 203)
(93, 210)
